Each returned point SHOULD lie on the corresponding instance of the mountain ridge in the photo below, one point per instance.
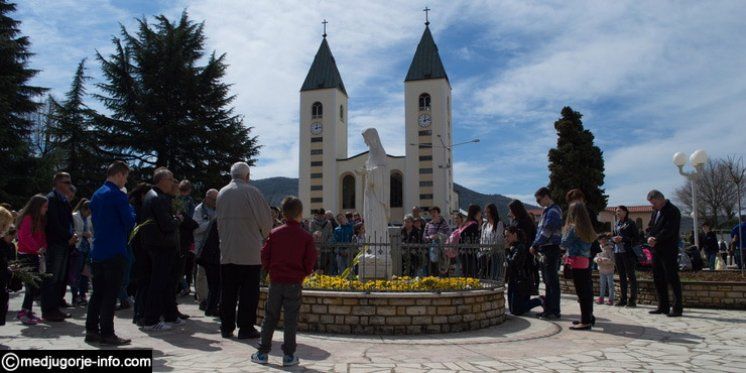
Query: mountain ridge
(277, 188)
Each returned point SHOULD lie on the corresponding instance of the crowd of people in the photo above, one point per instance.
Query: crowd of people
(146, 247)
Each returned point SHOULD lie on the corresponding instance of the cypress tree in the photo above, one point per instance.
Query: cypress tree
(17, 162)
(167, 109)
(576, 162)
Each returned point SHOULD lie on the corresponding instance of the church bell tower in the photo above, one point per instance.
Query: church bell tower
(427, 91)
(323, 132)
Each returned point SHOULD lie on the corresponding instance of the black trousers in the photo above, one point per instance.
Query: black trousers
(239, 285)
(581, 278)
(212, 272)
(161, 290)
(141, 270)
(665, 274)
(107, 280)
(30, 260)
(625, 265)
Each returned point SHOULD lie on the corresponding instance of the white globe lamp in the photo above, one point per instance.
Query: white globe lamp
(679, 159)
(698, 158)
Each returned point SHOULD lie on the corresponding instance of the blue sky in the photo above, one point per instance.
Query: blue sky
(651, 78)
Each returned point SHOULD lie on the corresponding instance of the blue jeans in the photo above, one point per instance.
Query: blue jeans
(550, 274)
(55, 284)
(711, 260)
(606, 280)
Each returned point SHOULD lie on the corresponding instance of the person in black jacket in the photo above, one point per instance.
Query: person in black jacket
(410, 255)
(710, 245)
(209, 259)
(625, 237)
(663, 237)
(519, 273)
(60, 239)
(520, 218)
(160, 238)
(141, 265)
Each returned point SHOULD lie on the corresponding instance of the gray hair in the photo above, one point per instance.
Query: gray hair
(211, 191)
(409, 217)
(655, 194)
(240, 170)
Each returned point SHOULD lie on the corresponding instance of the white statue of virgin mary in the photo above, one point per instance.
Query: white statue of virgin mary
(376, 259)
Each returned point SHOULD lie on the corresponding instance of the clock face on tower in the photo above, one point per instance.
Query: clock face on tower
(424, 120)
(316, 128)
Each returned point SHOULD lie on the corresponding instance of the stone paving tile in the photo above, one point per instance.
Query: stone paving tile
(624, 340)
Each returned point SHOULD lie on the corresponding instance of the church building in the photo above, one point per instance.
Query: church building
(332, 179)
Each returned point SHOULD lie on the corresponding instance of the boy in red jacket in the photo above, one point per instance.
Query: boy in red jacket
(288, 255)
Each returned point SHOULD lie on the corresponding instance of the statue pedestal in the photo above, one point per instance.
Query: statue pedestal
(375, 265)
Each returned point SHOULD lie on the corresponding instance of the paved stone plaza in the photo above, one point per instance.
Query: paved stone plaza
(623, 340)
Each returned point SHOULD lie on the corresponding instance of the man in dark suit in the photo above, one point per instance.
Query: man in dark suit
(60, 237)
(663, 237)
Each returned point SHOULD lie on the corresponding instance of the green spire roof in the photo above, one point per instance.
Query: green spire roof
(426, 63)
(323, 72)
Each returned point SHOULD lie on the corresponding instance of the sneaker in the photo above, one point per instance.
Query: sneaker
(161, 326)
(261, 358)
(21, 313)
(176, 322)
(27, 320)
(290, 360)
(600, 300)
(34, 317)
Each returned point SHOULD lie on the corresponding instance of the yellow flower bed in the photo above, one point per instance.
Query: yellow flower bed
(404, 283)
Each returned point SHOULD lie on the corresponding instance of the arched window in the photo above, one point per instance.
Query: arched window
(348, 192)
(396, 189)
(341, 113)
(317, 110)
(424, 102)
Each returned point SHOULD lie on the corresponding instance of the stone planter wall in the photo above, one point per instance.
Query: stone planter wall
(397, 313)
(697, 294)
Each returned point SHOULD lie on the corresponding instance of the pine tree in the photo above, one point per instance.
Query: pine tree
(576, 163)
(74, 138)
(168, 110)
(17, 162)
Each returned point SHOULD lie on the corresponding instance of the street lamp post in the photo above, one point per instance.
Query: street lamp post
(448, 167)
(698, 160)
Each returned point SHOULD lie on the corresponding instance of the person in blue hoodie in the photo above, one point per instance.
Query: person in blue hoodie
(343, 234)
(113, 218)
(546, 245)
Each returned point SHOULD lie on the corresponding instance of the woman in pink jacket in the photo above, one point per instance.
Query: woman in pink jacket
(32, 242)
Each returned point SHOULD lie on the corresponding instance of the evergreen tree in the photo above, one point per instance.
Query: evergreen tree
(576, 163)
(168, 110)
(17, 162)
(75, 139)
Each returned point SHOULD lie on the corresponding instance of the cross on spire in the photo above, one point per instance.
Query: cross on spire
(325, 22)
(427, 18)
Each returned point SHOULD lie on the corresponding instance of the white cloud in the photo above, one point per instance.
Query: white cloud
(651, 78)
